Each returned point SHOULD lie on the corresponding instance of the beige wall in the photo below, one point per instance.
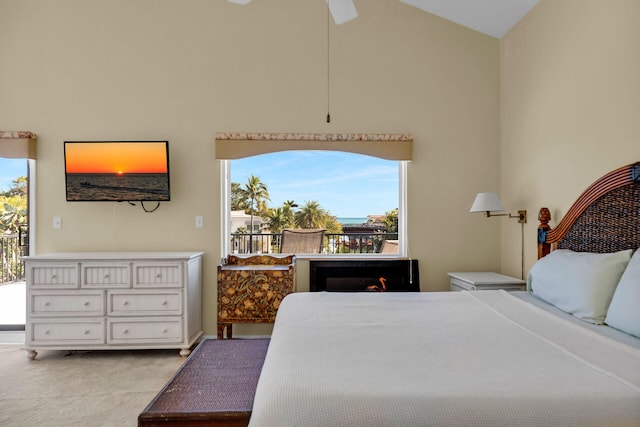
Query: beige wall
(570, 97)
(560, 92)
(183, 70)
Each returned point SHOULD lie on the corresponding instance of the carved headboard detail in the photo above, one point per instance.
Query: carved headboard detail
(605, 218)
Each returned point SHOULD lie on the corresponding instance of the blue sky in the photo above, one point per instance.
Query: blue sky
(11, 169)
(345, 184)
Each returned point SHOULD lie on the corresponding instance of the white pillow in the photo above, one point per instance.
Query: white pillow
(624, 311)
(580, 283)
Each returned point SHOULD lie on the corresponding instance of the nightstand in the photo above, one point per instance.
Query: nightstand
(485, 280)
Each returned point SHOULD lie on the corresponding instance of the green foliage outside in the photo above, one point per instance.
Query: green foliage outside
(13, 215)
(390, 221)
(13, 207)
(251, 197)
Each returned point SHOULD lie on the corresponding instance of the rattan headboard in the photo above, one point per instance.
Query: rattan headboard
(605, 218)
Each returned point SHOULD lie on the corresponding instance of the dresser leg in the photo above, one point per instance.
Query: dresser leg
(185, 352)
(31, 354)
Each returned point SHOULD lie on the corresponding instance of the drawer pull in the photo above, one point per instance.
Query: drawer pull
(53, 277)
(164, 331)
(164, 303)
(87, 332)
(86, 304)
(125, 303)
(47, 304)
(106, 276)
(159, 276)
(47, 332)
(126, 331)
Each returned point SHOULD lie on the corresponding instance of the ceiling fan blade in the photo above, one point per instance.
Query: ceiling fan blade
(342, 10)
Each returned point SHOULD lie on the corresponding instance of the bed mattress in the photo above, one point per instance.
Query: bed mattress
(463, 358)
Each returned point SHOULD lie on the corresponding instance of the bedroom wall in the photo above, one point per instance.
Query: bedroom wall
(183, 70)
(570, 96)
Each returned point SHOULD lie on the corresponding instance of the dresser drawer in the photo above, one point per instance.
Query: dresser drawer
(67, 303)
(106, 275)
(166, 275)
(458, 285)
(151, 330)
(63, 331)
(144, 303)
(48, 276)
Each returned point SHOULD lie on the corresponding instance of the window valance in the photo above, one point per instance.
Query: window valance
(18, 144)
(386, 146)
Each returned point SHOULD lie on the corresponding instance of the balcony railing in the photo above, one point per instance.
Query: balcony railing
(11, 252)
(345, 243)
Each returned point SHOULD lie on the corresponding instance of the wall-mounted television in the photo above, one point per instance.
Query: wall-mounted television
(117, 171)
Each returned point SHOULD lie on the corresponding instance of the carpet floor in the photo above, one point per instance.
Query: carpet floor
(93, 388)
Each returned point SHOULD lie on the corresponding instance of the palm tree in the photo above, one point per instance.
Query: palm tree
(290, 204)
(311, 215)
(288, 211)
(238, 198)
(277, 220)
(262, 208)
(256, 192)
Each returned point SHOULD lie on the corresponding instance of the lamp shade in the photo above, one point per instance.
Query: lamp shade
(487, 202)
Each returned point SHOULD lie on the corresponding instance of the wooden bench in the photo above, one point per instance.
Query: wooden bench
(214, 387)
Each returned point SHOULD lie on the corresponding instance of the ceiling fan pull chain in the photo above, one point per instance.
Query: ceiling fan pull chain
(328, 69)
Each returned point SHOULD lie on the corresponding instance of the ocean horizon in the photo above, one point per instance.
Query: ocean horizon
(352, 220)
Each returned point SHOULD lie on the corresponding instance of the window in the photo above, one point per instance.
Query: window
(14, 238)
(357, 199)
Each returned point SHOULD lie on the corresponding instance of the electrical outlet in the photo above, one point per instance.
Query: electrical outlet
(57, 222)
(199, 222)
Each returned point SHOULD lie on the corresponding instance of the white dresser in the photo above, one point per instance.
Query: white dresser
(113, 300)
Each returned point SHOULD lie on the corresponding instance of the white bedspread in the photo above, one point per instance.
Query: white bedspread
(440, 359)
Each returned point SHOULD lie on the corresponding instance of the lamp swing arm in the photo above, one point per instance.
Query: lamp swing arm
(521, 216)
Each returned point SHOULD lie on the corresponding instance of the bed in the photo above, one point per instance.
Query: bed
(548, 356)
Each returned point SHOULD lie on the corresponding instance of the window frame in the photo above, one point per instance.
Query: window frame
(31, 204)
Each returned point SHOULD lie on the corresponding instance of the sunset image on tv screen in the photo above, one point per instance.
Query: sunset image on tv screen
(117, 171)
(119, 158)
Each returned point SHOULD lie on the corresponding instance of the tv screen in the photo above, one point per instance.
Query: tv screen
(118, 171)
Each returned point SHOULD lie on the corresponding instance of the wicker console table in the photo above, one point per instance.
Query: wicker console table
(250, 289)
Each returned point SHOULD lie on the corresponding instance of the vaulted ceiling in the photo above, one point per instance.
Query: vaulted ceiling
(492, 17)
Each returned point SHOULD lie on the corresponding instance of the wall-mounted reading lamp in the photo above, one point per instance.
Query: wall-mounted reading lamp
(488, 203)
